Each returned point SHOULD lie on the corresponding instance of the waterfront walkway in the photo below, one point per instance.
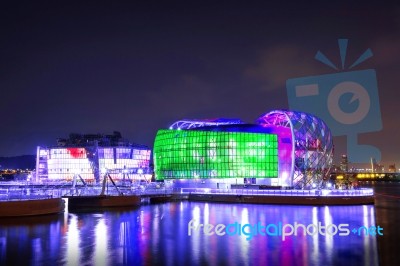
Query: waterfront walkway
(24, 190)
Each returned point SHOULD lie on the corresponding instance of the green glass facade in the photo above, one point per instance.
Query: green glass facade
(186, 154)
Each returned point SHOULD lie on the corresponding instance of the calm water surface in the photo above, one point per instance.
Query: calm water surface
(158, 235)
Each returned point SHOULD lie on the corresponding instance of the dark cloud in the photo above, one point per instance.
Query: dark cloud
(277, 64)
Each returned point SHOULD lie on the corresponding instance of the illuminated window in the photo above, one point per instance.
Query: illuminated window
(207, 154)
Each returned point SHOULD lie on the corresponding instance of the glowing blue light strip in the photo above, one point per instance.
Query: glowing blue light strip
(277, 192)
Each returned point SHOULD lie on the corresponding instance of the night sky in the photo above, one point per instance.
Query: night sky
(96, 66)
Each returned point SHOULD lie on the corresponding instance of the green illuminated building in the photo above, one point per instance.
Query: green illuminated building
(284, 148)
(193, 154)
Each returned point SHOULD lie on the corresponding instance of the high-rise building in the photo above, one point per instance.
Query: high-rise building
(344, 163)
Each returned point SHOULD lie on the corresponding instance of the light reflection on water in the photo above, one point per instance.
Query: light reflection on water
(158, 235)
(72, 241)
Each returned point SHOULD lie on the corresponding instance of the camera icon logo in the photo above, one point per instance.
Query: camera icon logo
(358, 92)
(347, 101)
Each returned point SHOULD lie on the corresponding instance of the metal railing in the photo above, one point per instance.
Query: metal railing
(16, 193)
(276, 192)
(24, 191)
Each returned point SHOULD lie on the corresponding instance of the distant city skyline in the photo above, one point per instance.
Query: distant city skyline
(139, 67)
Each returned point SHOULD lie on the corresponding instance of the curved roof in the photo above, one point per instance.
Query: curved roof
(193, 123)
(305, 126)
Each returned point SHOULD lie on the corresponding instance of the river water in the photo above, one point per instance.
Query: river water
(158, 234)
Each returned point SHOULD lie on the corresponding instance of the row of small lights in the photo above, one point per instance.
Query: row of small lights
(364, 176)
